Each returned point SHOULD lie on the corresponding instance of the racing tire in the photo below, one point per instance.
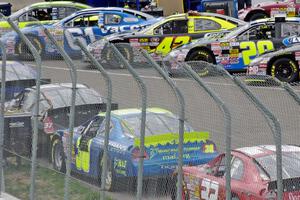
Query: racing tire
(58, 156)
(201, 55)
(23, 50)
(110, 179)
(257, 16)
(285, 70)
(112, 61)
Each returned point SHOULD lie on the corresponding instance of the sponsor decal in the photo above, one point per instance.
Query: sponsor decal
(291, 40)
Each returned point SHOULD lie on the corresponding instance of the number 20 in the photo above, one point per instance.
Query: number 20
(207, 187)
(249, 49)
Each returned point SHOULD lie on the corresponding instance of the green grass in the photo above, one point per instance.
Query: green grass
(49, 184)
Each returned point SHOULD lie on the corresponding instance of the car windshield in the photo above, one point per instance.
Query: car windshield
(290, 165)
(155, 124)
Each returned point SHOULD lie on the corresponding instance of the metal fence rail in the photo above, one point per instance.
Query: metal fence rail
(230, 111)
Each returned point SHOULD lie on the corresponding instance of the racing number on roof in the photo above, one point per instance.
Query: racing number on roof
(250, 49)
(209, 189)
(169, 43)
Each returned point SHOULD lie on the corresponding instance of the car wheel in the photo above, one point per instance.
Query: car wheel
(58, 156)
(201, 55)
(257, 16)
(285, 69)
(23, 50)
(110, 179)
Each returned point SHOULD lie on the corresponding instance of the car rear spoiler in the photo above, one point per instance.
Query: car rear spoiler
(289, 185)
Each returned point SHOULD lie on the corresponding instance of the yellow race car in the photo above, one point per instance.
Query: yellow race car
(168, 33)
(45, 12)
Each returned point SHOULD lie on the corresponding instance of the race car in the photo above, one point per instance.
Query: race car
(236, 49)
(54, 109)
(169, 33)
(161, 146)
(282, 64)
(253, 175)
(267, 9)
(45, 12)
(88, 25)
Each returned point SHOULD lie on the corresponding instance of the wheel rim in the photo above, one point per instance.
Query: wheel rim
(284, 72)
(58, 158)
(202, 56)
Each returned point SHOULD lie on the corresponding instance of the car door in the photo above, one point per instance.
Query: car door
(83, 145)
(84, 27)
(166, 37)
(237, 54)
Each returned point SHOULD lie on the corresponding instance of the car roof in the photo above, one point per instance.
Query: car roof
(135, 111)
(59, 86)
(264, 150)
(118, 9)
(18, 71)
(287, 19)
(62, 3)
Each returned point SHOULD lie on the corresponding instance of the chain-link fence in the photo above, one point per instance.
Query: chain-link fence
(115, 124)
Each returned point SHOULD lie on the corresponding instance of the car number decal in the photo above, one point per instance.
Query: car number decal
(209, 189)
(169, 43)
(82, 35)
(250, 49)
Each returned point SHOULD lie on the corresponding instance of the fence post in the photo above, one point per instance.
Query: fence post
(271, 120)
(3, 80)
(73, 74)
(38, 61)
(227, 117)
(143, 91)
(107, 114)
(181, 103)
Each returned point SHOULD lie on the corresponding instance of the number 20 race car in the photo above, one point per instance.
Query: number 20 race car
(253, 175)
(87, 25)
(236, 49)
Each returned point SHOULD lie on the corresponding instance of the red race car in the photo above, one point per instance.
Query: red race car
(253, 175)
(269, 9)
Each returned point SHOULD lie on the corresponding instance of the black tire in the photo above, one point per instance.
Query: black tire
(257, 16)
(110, 180)
(201, 55)
(23, 50)
(58, 156)
(285, 69)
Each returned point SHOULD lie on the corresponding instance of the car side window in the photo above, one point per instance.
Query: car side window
(112, 19)
(101, 130)
(93, 127)
(59, 13)
(83, 21)
(40, 14)
(290, 29)
(172, 27)
(206, 24)
(258, 33)
(237, 169)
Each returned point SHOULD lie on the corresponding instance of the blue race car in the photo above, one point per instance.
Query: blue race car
(161, 145)
(88, 25)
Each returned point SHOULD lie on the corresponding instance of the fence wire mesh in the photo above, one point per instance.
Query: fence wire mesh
(203, 118)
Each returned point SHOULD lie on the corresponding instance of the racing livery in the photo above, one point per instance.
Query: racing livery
(45, 12)
(282, 64)
(236, 49)
(169, 33)
(289, 8)
(87, 25)
(253, 175)
(161, 145)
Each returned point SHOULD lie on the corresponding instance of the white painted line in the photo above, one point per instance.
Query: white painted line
(152, 77)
